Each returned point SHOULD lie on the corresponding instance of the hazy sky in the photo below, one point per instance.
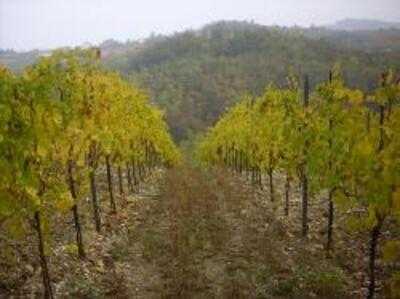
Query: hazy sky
(27, 24)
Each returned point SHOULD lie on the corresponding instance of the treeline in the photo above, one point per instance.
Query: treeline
(63, 122)
(195, 75)
(334, 141)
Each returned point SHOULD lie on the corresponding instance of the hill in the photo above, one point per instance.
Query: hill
(18, 61)
(195, 75)
(363, 24)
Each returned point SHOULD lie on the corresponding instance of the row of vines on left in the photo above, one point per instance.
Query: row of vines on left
(62, 122)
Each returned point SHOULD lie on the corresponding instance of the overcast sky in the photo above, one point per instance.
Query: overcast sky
(28, 24)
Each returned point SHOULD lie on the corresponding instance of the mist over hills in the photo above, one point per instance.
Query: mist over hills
(196, 74)
(363, 25)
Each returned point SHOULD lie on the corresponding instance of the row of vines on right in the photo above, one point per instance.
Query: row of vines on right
(332, 140)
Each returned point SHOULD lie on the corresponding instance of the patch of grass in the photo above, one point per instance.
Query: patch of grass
(325, 283)
(120, 249)
(285, 288)
(153, 243)
(83, 288)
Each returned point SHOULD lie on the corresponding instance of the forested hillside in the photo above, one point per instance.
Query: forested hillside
(17, 61)
(196, 75)
(363, 24)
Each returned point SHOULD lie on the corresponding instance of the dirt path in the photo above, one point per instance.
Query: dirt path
(212, 235)
(189, 233)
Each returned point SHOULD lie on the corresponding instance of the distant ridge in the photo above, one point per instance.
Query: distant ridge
(194, 75)
(363, 25)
